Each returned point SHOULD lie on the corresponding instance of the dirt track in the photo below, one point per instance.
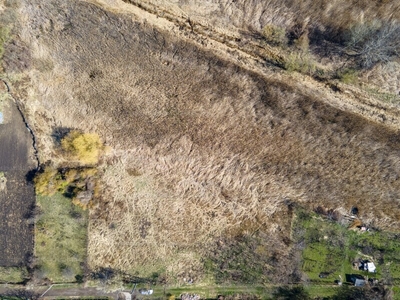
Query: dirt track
(16, 239)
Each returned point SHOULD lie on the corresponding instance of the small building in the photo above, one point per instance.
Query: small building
(356, 279)
(359, 282)
(146, 292)
(366, 265)
(371, 267)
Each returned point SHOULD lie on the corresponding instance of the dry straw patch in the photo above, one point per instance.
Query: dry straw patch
(178, 203)
(202, 147)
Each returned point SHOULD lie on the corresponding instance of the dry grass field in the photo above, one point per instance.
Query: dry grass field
(321, 17)
(207, 154)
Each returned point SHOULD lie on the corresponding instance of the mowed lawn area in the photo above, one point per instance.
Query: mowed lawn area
(61, 239)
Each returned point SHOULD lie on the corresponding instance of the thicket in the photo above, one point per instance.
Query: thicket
(275, 35)
(84, 147)
(360, 46)
(374, 42)
(79, 184)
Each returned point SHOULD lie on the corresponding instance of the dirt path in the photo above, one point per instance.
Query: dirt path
(57, 292)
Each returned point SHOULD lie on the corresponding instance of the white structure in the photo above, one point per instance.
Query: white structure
(371, 267)
(146, 292)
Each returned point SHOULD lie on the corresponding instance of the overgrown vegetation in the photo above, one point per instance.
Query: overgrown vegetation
(348, 75)
(63, 194)
(245, 259)
(207, 165)
(13, 274)
(79, 184)
(330, 249)
(288, 293)
(275, 35)
(60, 239)
(19, 294)
(84, 147)
(4, 37)
(300, 62)
(375, 42)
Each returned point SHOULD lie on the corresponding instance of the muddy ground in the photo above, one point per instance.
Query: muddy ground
(16, 200)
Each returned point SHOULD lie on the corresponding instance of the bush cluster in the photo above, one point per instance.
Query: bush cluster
(274, 35)
(69, 182)
(84, 147)
(372, 43)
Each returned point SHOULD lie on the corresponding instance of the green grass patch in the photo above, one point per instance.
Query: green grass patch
(316, 291)
(329, 249)
(349, 76)
(13, 274)
(61, 237)
(383, 96)
(4, 36)
(396, 293)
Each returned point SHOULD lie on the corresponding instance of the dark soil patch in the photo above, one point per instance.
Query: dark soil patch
(16, 201)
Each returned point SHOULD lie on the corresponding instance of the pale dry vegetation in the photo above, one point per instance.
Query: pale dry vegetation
(254, 14)
(339, 34)
(204, 150)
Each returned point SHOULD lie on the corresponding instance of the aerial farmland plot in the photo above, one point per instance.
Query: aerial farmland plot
(200, 149)
(16, 196)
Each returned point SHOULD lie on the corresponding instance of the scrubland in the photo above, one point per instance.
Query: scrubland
(210, 147)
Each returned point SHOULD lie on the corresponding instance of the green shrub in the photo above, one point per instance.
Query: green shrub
(47, 182)
(349, 76)
(274, 35)
(300, 62)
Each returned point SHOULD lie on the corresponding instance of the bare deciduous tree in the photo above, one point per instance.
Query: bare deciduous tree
(374, 43)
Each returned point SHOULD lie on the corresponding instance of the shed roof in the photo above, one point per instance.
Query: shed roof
(359, 282)
(371, 267)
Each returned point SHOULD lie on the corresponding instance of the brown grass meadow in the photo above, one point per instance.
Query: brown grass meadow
(204, 150)
(330, 18)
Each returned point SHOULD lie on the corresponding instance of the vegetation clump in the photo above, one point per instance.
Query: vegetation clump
(79, 184)
(374, 42)
(275, 35)
(4, 36)
(84, 147)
